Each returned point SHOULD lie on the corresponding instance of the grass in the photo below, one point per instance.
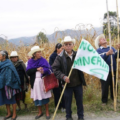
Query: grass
(91, 101)
(91, 93)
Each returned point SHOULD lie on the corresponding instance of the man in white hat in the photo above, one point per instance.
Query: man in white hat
(61, 68)
(104, 50)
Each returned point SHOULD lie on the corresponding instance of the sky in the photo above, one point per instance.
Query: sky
(20, 18)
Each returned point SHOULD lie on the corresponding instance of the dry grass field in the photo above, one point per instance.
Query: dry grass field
(92, 93)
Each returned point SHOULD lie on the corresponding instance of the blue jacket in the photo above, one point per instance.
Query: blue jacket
(8, 75)
(102, 51)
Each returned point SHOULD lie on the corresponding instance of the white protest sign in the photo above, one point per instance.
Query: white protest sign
(89, 61)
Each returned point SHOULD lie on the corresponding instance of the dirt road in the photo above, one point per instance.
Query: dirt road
(88, 116)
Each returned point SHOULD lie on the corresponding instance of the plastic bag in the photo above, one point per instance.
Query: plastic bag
(28, 100)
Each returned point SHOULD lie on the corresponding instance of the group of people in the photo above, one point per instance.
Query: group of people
(15, 77)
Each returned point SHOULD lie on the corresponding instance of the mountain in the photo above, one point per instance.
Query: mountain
(23, 40)
(55, 36)
(2, 41)
(73, 33)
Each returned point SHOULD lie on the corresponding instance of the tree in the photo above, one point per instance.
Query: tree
(41, 38)
(113, 23)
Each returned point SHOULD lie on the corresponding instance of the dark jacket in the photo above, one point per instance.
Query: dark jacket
(52, 58)
(21, 69)
(60, 68)
(22, 74)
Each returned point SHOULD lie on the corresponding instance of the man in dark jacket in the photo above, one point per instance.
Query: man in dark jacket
(61, 68)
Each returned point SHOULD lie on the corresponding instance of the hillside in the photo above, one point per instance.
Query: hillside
(2, 41)
(55, 36)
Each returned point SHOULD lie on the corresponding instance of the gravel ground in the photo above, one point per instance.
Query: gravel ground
(88, 116)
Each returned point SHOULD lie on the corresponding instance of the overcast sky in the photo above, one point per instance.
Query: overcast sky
(29, 17)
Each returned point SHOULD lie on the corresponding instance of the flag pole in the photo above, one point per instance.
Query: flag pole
(111, 56)
(61, 95)
(118, 49)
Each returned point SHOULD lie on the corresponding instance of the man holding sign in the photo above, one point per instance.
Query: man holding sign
(104, 50)
(61, 68)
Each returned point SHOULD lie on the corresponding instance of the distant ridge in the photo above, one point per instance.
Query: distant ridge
(2, 41)
(55, 36)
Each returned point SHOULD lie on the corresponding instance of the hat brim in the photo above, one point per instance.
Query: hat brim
(73, 41)
(35, 50)
(14, 56)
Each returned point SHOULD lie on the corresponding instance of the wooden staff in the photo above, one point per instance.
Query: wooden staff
(112, 71)
(118, 49)
(61, 96)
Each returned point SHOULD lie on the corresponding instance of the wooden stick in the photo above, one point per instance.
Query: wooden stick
(61, 96)
(112, 71)
(118, 49)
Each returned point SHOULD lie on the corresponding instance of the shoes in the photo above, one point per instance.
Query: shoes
(38, 116)
(48, 117)
(69, 119)
(5, 118)
(14, 118)
(80, 118)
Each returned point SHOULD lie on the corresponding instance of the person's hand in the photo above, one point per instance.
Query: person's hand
(67, 80)
(110, 52)
(40, 69)
(118, 46)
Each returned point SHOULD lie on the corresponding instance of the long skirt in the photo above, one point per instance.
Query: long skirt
(21, 95)
(4, 100)
(37, 93)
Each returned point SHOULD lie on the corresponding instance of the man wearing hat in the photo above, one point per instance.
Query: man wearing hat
(105, 52)
(61, 68)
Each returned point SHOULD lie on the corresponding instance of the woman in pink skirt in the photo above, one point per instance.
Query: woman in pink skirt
(37, 68)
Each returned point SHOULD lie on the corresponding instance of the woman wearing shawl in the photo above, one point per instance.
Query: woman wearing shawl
(9, 84)
(37, 68)
(21, 69)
